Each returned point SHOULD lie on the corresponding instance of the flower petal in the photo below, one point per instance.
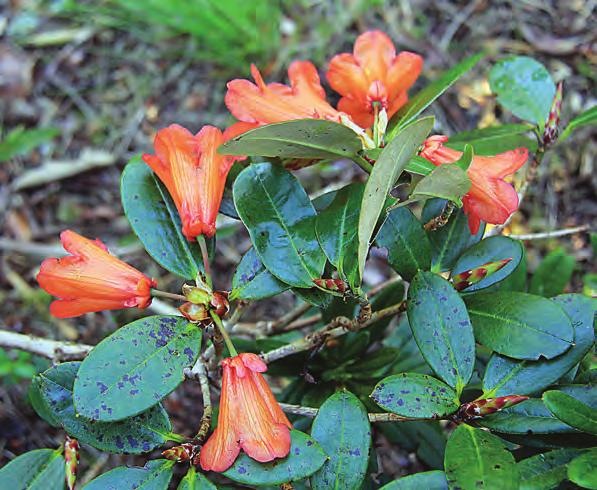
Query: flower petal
(347, 78)
(403, 72)
(69, 308)
(374, 51)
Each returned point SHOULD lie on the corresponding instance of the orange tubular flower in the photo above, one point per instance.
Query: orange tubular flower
(250, 417)
(490, 198)
(373, 73)
(194, 173)
(91, 279)
(257, 104)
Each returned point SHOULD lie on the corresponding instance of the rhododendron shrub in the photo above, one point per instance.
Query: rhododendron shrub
(450, 357)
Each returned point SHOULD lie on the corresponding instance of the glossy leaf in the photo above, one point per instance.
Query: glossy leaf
(303, 138)
(588, 117)
(449, 241)
(524, 87)
(135, 435)
(583, 470)
(135, 367)
(252, 281)
(337, 230)
(41, 469)
(415, 395)
(571, 411)
(155, 220)
(343, 431)
(409, 249)
(281, 222)
(428, 480)
(304, 459)
(477, 459)
(553, 274)
(155, 475)
(195, 481)
(441, 326)
(520, 325)
(445, 182)
(490, 249)
(386, 171)
(494, 139)
(545, 471)
(504, 376)
(429, 94)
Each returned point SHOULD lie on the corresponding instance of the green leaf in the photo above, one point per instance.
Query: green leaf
(446, 182)
(488, 250)
(337, 231)
(252, 281)
(520, 325)
(464, 162)
(583, 470)
(588, 117)
(571, 411)
(504, 376)
(343, 431)
(386, 171)
(135, 367)
(155, 220)
(409, 249)
(449, 241)
(553, 274)
(304, 459)
(281, 222)
(524, 87)
(135, 435)
(425, 438)
(314, 296)
(41, 469)
(415, 395)
(428, 480)
(441, 326)
(545, 471)
(425, 97)
(21, 141)
(477, 459)
(303, 138)
(494, 139)
(155, 475)
(419, 166)
(195, 481)
(38, 404)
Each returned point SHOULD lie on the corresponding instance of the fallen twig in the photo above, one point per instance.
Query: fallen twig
(552, 234)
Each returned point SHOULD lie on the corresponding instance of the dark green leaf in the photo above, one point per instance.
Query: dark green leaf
(304, 459)
(449, 241)
(425, 97)
(553, 274)
(490, 249)
(155, 220)
(337, 231)
(281, 222)
(426, 438)
(409, 358)
(545, 471)
(504, 376)
(303, 138)
(524, 87)
(494, 139)
(42, 469)
(409, 249)
(441, 326)
(21, 141)
(135, 435)
(195, 481)
(415, 395)
(571, 411)
(38, 404)
(428, 480)
(135, 367)
(477, 459)
(520, 325)
(589, 117)
(253, 281)
(155, 475)
(445, 182)
(342, 430)
(386, 171)
(583, 470)
(314, 296)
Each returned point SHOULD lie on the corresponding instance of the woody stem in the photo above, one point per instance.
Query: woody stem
(205, 255)
(225, 336)
(164, 294)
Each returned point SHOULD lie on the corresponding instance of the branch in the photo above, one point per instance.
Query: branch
(552, 234)
(199, 372)
(373, 417)
(52, 349)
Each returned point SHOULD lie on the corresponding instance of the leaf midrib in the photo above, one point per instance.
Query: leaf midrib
(323, 149)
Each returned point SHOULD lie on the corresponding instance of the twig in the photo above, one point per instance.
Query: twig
(552, 234)
(51, 349)
(441, 220)
(280, 323)
(199, 372)
(373, 417)
(382, 285)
